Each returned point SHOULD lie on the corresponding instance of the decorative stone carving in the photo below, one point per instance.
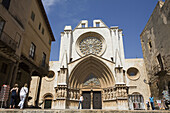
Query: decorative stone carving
(114, 92)
(90, 45)
(61, 91)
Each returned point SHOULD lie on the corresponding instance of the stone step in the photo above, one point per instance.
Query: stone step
(80, 111)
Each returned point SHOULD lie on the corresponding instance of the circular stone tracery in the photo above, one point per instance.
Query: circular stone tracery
(90, 45)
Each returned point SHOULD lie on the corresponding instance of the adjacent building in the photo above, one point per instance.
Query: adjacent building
(25, 43)
(92, 63)
(155, 40)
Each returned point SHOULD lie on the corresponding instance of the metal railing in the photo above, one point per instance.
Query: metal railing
(8, 41)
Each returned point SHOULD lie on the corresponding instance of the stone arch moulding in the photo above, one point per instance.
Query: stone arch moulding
(91, 65)
(90, 34)
(48, 95)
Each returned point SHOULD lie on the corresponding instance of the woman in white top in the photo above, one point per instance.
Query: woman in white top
(23, 94)
(80, 102)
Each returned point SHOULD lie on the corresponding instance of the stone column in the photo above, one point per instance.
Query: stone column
(91, 99)
(33, 90)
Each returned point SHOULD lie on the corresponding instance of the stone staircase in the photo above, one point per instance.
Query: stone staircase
(80, 111)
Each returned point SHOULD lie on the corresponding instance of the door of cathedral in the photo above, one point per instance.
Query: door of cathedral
(97, 103)
(87, 102)
(87, 99)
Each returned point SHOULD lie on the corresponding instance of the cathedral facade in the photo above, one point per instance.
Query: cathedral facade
(92, 63)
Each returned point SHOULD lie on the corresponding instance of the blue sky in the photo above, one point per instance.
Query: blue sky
(129, 15)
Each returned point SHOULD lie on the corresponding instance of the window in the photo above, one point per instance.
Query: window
(33, 16)
(39, 26)
(83, 25)
(44, 59)
(150, 44)
(132, 71)
(6, 3)
(160, 61)
(43, 31)
(32, 50)
(50, 74)
(4, 68)
(2, 23)
(97, 24)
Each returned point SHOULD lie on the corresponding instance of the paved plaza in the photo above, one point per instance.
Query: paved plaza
(79, 111)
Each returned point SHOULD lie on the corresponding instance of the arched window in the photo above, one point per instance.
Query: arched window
(47, 101)
(136, 101)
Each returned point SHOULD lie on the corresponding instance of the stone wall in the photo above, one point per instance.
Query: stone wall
(156, 48)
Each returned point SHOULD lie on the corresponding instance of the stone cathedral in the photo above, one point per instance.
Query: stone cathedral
(92, 63)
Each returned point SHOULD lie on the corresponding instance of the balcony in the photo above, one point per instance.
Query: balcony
(7, 43)
(44, 67)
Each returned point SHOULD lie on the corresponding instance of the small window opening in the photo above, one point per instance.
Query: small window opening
(160, 61)
(33, 16)
(83, 25)
(97, 24)
(150, 44)
(39, 26)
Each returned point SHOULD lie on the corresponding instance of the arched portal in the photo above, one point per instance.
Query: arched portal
(88, 66)
(90, 76)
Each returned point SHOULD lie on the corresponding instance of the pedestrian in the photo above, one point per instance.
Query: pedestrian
(14, 94)
(147, 104)
(80, 102)
(166, 98)
(23, 94)
(162, 105)
(152, 102)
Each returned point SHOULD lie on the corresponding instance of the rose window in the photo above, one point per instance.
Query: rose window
(90, 45)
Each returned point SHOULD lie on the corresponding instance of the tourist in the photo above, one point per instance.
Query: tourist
(147, 104)
(166, 98)
(152, 102)
(23, 94)
(14, 94)
(80, 102)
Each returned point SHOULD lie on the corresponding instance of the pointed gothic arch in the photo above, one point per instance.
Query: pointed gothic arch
(91, 65)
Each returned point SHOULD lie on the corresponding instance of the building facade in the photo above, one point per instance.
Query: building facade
(92, 63)
(156, 49)
(25, 37)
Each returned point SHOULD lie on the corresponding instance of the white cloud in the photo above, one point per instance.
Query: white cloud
(48, 3)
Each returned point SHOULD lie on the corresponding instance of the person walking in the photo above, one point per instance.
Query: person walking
(14, 94)
(80, 102)
(152, 102)
(23, 94)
